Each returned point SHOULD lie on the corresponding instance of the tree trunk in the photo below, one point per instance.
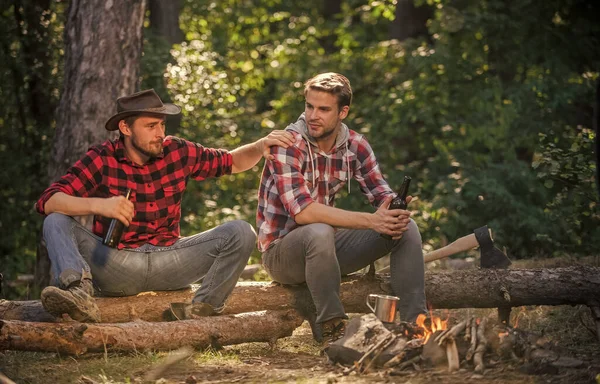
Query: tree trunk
(77, 338)
(476, 288)
(103, 46)
(410, 21)
(164, 19)
(330, 10)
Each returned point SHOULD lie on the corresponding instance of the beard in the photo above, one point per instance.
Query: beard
(324, 134)
(152, 149)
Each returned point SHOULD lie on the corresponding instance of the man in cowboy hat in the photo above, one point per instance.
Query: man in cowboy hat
(151, 254)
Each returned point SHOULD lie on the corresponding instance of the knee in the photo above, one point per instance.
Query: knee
(319, 237)
(413, 232)
(412, 237)
(54, 222)
(242, 232)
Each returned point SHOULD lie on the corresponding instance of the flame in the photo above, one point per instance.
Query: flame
(437, 324)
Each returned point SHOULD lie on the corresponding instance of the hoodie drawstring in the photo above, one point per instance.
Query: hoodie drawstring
(348, 167)
(312, 166)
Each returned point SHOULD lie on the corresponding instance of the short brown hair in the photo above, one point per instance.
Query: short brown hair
(334, 83)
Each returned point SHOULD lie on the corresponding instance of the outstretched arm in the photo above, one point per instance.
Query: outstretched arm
(246, 156)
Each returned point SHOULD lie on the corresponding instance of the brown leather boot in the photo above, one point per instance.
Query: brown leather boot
(187, 311)
(333, 330)
(76, 301)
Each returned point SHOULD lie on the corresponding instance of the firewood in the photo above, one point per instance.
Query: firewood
(448, 289)
(467, 337)
(452, 355)
(382, 346)
(481, 347)
(473, 345)
(395, 360)
(451, 333)
(77, 338)
(363, 339)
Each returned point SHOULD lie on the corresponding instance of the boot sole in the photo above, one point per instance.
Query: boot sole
(57, 302)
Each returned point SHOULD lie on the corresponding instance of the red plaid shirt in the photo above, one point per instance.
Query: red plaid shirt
(157, 187)
(286, 186)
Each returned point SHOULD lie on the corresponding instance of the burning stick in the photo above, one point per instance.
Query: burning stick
(481, 347)
(451, 333)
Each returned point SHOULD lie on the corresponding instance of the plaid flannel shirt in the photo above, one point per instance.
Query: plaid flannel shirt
(287, 187)
(157, 187)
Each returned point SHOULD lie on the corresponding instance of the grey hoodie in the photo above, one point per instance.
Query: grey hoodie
(340, 148)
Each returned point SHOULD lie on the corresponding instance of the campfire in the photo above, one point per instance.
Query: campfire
(436, 324)
(471, 344)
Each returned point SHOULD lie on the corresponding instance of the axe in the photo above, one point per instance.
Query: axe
(491, 257)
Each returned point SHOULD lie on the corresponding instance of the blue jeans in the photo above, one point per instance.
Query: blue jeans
(319, 255)
(217, 256)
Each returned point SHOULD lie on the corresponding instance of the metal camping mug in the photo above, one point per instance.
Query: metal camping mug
(385, 307)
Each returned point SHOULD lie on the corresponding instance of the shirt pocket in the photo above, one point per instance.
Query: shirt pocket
(338, 179)
(117, 190)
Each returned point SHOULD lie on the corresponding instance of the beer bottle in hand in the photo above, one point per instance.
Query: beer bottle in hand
(115, 229)
(399, 201)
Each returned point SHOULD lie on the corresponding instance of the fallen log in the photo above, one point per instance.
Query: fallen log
(473, 288)
(74, 338)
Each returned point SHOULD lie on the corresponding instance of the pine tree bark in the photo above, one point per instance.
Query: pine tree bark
(103, 47)
(476, 288)
(78, 338)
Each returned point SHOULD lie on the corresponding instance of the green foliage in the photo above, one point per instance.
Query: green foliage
(567, 172)
(490, 113)
(460, 110)
(30, 62)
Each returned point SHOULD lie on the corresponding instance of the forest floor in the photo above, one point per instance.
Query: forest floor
(298, 359)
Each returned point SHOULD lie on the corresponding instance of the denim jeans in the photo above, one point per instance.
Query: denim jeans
(319, 255)
(217, 256)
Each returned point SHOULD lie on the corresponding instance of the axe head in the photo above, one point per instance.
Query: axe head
(491, 257)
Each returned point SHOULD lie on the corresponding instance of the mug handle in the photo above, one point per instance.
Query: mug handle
(369, 305)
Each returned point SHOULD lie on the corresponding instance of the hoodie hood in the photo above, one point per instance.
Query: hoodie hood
(341, 143)
(301, 127)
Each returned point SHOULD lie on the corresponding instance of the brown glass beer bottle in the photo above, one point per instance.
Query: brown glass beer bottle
(115, 229)
(399, 201)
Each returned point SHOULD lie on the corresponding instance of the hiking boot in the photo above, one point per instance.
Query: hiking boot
(187, 311)
(333, 330)
(76, 301)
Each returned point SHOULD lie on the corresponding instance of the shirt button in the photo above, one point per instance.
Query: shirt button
(152, 205)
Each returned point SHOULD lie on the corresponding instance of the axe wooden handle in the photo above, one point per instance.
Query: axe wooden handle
(460, 245)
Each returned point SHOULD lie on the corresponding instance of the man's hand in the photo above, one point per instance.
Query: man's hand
(282, 138)
(393, 222)
(117, 207)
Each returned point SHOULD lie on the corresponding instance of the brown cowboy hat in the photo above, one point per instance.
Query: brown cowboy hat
(142, 102)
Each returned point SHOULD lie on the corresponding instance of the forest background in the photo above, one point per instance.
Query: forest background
(488, 105)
